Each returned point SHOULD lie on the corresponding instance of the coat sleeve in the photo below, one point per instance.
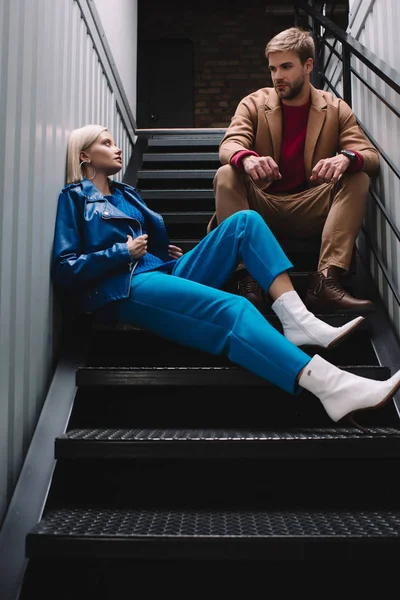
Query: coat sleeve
(351, 137)
(240, 134)
(70, 267)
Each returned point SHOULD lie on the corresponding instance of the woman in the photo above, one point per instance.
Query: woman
(113, 254)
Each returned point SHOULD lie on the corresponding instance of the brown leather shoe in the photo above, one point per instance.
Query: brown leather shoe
(326, 294)
(243, 284)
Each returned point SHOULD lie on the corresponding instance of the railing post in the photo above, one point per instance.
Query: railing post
(346, 58)
(297, 20)
(315, 76)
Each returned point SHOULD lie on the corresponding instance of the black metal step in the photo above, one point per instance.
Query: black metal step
(185, 195)
(176, 174)
(202, 376)
(192, 444)
(125, 339)
(334, 319)
(175, 200)
(177, 157)
(182, 132)
(236, 534)
(182, 139)
(290, 247)
(187, 217)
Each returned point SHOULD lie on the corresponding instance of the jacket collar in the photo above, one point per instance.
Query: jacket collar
(91, 192)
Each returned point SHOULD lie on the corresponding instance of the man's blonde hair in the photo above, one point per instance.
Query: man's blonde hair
(80, 139)
(294, 39)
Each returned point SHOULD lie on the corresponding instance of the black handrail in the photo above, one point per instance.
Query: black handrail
(350, 44)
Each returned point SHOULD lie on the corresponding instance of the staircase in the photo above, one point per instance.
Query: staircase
(174, 459)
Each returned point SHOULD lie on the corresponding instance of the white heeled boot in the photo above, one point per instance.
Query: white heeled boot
(343, 393)
(302, 327)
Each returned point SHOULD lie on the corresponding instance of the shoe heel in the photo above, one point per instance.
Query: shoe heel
(350, 421)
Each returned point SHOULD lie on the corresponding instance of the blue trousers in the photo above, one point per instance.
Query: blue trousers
(189, 307)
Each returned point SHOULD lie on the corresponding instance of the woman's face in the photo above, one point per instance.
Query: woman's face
(104, 155)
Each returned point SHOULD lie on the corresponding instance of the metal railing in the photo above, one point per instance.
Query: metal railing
(343, 49)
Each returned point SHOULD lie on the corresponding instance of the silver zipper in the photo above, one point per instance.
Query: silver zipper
(136, 263)
(141, 231)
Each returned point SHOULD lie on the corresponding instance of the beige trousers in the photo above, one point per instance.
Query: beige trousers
(333, 211)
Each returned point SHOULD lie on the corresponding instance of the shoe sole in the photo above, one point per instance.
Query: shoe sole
(350, 416)
(350, 311)
(344, 335)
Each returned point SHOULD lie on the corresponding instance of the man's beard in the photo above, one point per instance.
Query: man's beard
(293, 89)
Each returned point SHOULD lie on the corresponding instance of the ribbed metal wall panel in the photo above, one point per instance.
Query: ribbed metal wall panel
(375, 25)
(51, 81)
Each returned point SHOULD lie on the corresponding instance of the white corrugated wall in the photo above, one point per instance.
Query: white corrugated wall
(51, 81)
(374, 23)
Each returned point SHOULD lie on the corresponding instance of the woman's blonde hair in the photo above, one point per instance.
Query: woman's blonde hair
(80, 139)
(294, 39)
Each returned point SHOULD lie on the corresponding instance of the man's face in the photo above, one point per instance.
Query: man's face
(288, 73)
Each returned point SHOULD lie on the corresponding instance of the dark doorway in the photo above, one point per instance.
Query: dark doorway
(165, 84)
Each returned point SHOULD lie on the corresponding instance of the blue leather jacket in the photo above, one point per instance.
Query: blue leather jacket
(90, 254)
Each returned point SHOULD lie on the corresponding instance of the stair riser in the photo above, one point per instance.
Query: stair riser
(215, 408)
(241, 550)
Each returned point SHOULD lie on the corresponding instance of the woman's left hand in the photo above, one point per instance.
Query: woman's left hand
(174, 251)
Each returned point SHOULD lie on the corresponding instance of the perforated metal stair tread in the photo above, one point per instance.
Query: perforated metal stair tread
(178, 173)
(219, 443)
(180, 156)
(210, 532)
(199, 376)
(175, 138)
(177, 194)
(187, 217)
(193, 133)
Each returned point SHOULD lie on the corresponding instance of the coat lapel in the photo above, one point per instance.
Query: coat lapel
(273, 115)
(316, 121)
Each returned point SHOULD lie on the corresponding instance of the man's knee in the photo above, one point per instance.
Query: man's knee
(227, 177)
(356, 183)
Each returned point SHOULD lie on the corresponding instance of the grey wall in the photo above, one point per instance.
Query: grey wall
(54, 77)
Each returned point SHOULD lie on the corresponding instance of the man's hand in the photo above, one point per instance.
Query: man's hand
(174, 251)
(262, 169)
(330, 170)
(137, 247)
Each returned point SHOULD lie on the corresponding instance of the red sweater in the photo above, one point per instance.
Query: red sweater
(291, 160)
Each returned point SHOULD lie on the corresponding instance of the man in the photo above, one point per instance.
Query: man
(297, 156)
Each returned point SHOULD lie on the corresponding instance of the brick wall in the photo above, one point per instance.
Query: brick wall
(229, 39)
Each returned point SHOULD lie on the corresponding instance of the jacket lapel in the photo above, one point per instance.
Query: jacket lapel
(92, 194)
(273, 115)
(316, 120)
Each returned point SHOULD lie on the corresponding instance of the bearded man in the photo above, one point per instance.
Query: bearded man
(296, 155)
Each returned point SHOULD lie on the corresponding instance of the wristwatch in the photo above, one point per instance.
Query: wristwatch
(349, 153)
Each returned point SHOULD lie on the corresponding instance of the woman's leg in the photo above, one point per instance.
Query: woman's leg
(214, 321)
(225, 324)
(245, 236)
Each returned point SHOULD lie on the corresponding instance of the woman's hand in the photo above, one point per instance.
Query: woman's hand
(137, 247)
(174, 251)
